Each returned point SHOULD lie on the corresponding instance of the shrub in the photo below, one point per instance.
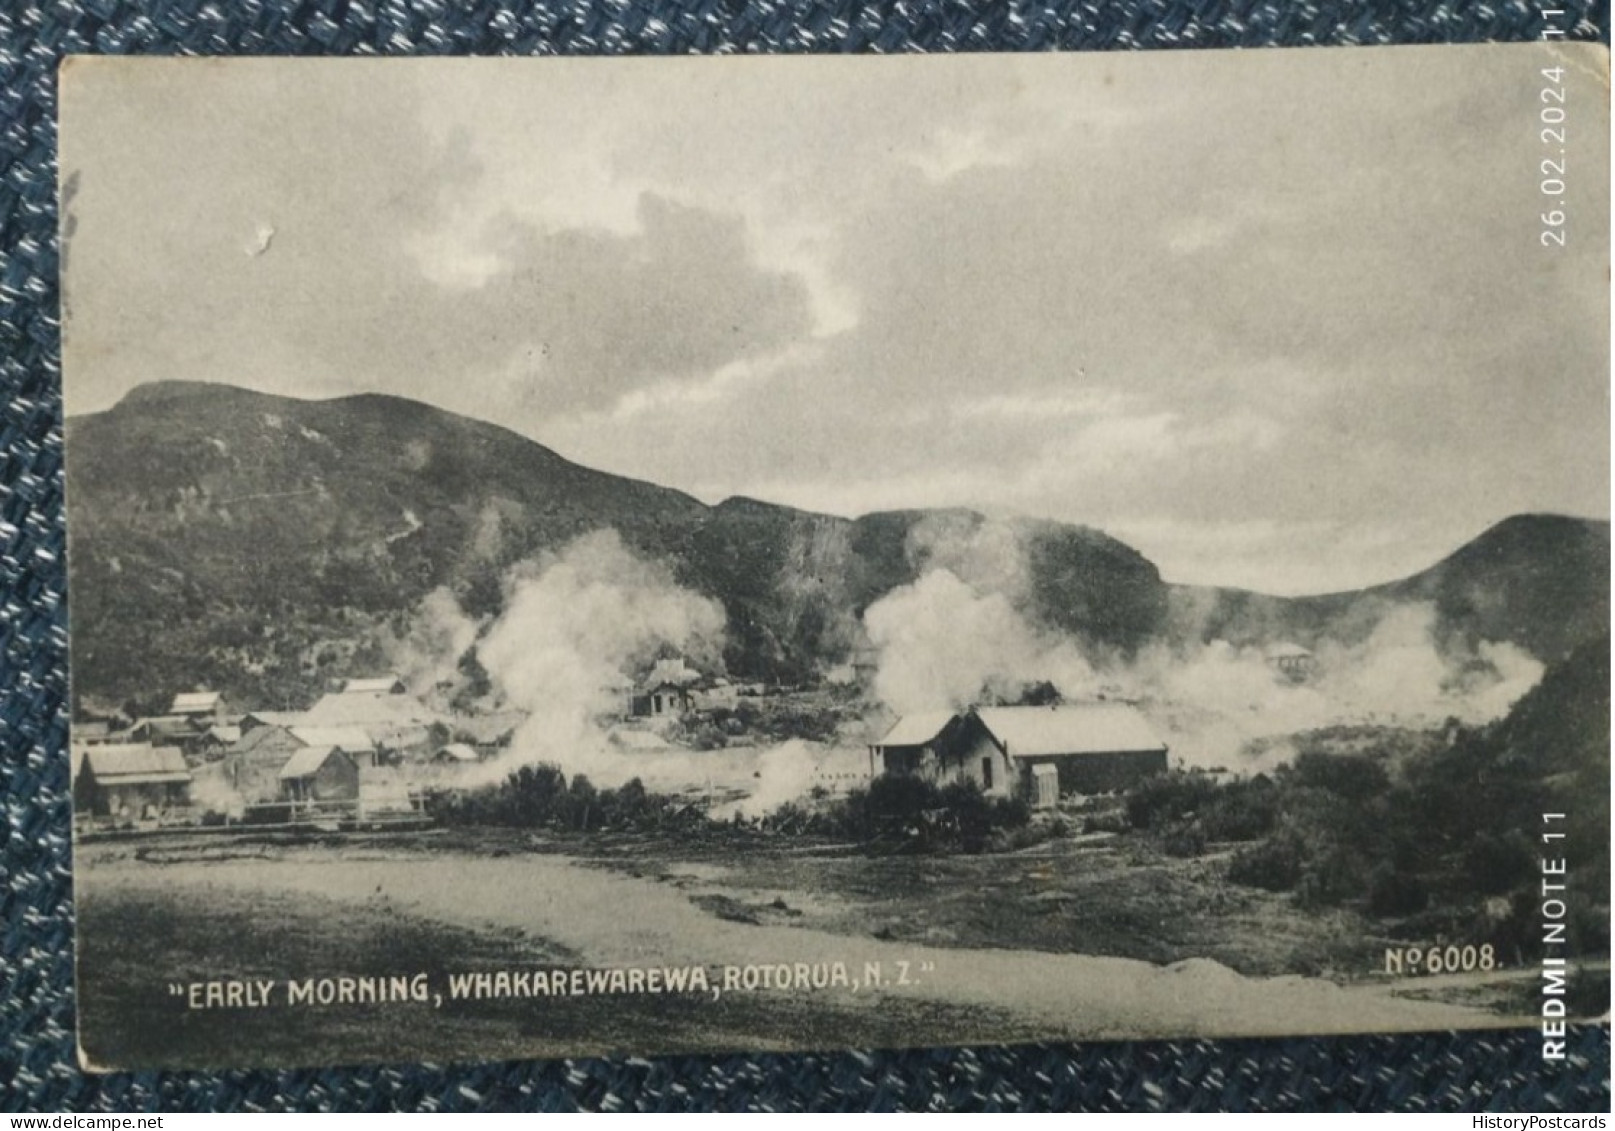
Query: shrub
(1273, 865)
(1392, 891)
(1242, 810)
(1496, 864)
(1188, 840)
(1333, 876)
(1164, 798)
(1105, 823)
(1354, 777)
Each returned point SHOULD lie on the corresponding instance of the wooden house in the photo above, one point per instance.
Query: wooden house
(135, 781)
(206, 707)
(1039, 753)
(319, 773)
(380, 685)
(917, 746)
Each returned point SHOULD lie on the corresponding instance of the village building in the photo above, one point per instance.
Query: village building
(663, 700)
(1291, 662)
(381, 685)
(713, 695)
(87, 731)
(217, 741)
(1039, 753)
(355, 742)
(319, 774)
(916, 745)
(165, 730)
(457, 754)
(134, 781)
(398, 725)
(205, 707)
(252, 766)
(255, 719)
(489, 733)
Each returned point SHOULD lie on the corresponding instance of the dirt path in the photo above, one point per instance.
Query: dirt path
(618, 920)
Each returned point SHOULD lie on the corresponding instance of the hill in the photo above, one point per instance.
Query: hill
(258, 544)
(1539, 581)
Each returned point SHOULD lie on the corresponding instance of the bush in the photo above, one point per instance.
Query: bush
(541, 797)
(1165, 798)
(1354, 777)
(1189, 840)
(1496, 864)
(1274, 865)
(1392, 891)
(1332, 877)
(1242, 810)
(1105, 823)
(898, 813)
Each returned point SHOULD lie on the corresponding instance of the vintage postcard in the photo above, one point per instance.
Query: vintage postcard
(681, 555)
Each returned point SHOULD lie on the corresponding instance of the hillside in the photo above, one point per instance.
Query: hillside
(259, 544)
(1539, 581)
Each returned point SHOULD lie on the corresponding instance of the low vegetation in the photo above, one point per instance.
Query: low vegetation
(1436, 838)
(893, 816)
(900, 815)
(542, 797)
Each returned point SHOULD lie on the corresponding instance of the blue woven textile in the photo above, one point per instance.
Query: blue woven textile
(1497, 1071)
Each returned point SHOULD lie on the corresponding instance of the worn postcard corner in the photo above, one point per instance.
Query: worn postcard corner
(861, 552)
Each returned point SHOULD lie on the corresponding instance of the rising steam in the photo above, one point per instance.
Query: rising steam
(578, 627)
(944, 645)
(947, 641)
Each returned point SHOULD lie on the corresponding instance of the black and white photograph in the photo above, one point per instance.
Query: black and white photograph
(695, 555)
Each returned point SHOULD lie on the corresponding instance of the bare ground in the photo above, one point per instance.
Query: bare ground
(194, 909)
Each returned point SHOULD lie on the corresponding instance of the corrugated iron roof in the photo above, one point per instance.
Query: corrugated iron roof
(382, 685)
(917, 730)
(487, 728)
(192, 701)
(343, 709)
(1087, 728)
(258, 736)
(306, 762)
(122, 762)
(354, 740)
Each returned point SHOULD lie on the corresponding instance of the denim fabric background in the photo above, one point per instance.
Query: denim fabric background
(37, 1068)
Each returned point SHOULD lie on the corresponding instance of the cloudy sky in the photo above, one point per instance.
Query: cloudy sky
(1279, 319)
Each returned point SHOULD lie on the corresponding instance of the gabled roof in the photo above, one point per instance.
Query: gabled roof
(274, 718)
(307, 761)
(260, 736)
(458, 752)
(1287, 652)
(352, 739)
(917, 730)
(135, 764)
(170, 725)
(1087, 728)
(342, 709)
(195, 702)
(229, 735)
(382, 685)
(487, 728)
